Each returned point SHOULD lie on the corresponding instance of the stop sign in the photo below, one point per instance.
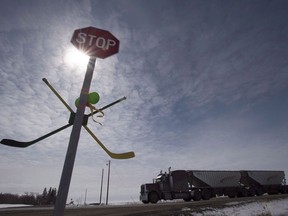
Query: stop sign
(95, 42)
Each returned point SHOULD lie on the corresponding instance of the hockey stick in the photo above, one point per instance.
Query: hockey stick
(125, 155)
(15, 143)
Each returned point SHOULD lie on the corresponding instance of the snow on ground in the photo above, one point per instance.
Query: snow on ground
(263, 208)
(12, 205)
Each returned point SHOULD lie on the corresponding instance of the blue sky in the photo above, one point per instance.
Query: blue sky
(206, 85)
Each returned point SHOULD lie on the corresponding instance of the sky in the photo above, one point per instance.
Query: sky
(206, 85)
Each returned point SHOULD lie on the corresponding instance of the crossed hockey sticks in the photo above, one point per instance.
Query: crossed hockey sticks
(15, 143)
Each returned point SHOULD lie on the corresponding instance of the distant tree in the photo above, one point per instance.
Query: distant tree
(9, 198)
(44, 194)
(51, 196)
(44, 197)
(30, 198)
(1, 198)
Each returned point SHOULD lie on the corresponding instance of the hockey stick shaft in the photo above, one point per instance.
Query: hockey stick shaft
(125, 155)
(56, 93)
(107, 106)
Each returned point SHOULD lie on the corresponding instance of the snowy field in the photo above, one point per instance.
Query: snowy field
(12, 205)
(263, 208)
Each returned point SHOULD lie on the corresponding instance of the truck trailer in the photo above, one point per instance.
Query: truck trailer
(205, 184)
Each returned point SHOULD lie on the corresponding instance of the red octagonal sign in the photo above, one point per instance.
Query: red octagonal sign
(95, 42)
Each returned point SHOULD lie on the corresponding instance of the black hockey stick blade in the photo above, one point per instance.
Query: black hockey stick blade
(14, 143)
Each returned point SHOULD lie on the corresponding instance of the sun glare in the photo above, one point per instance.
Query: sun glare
(75, 58)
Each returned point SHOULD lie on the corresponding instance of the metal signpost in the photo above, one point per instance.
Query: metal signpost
(95, 43)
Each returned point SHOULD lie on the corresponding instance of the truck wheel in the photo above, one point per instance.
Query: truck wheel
(187, 199)
(252, 191)
(231, 194)
(259, 192)
(242, 193)
(205, 194)
(153, 197)
(196, 195)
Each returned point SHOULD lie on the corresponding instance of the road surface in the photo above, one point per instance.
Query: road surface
(160, 209)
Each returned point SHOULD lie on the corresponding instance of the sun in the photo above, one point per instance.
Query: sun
(75, 58)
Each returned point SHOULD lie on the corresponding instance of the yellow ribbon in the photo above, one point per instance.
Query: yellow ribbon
(92, 108)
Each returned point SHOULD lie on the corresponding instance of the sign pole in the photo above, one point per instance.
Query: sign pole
(73, 142)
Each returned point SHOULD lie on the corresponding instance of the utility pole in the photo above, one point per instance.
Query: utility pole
(85, 197)
(101, 187)
(108, 182)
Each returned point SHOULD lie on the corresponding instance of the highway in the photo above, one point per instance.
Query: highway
(160, 209)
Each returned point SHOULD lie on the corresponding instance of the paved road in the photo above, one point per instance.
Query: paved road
(160, 209)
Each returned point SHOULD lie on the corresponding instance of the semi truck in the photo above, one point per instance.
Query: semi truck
(205, 184)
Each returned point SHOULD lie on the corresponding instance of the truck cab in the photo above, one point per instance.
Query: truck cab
(151, 192)
(166, 186)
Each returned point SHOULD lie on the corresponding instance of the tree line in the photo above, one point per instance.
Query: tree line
(47, 197)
